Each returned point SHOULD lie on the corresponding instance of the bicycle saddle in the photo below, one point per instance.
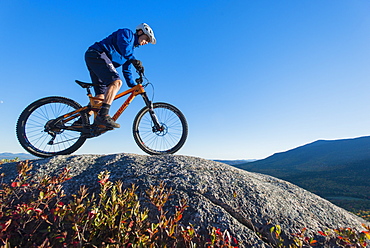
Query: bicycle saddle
(84, 85)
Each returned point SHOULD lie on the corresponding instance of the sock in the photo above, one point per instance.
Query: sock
(104, 110)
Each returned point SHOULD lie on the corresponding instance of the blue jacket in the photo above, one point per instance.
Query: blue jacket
(119, 47)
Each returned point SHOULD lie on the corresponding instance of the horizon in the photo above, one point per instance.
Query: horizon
(253, 78)
(231, 159)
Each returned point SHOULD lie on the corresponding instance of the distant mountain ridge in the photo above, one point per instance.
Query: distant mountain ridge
(321, 155)
(333, 169)
(21, 156)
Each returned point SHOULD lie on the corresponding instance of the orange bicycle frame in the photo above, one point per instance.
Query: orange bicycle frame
(134, 91)
(96, 102)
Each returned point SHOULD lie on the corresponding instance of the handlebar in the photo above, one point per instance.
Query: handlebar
(139, 80)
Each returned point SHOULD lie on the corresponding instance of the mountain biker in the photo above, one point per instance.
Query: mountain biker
(102, 59)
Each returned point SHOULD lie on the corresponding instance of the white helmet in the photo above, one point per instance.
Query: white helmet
(148, 31)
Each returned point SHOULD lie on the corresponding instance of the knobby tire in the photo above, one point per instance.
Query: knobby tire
(31, 127)
(157, 143)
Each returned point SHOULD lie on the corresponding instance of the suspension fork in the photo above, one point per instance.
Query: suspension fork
(157, 126)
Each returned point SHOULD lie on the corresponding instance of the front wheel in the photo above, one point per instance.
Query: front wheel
(38, 133)
(171, 136)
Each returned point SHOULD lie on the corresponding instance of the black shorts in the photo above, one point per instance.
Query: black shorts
(102, 70)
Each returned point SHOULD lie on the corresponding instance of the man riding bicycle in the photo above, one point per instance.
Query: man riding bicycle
(102, 59)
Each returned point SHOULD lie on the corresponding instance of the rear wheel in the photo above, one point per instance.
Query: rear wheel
(169, 139)
(41, 135)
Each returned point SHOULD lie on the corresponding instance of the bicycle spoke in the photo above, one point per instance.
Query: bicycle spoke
(35, 128)
(168, 140)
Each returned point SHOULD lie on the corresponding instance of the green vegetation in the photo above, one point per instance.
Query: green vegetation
(342, 237)
(3, 161)
(337, 170)
(348, 189)
(36, 213)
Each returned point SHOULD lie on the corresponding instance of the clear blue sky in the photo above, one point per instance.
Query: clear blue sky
(252, 77)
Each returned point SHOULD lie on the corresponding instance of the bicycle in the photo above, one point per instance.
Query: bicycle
(49, 126)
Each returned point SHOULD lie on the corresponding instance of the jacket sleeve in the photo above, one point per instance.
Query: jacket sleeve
(126, 71)
(125, 43)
